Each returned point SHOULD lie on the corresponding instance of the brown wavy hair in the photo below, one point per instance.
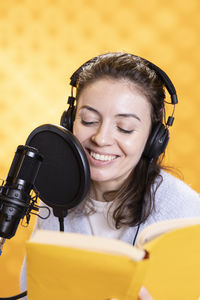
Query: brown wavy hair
(136, 197)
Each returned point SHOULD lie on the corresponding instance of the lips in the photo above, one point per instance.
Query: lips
(102, 157)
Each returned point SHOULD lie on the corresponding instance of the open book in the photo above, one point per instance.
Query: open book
(166, 260)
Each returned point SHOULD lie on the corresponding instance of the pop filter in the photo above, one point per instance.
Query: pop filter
(64, 176)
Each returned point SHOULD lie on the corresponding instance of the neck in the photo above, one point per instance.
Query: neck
(97, 190)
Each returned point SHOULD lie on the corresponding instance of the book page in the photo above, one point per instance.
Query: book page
(152, 231)
(88, 242)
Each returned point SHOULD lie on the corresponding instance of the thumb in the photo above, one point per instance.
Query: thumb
(144, 294)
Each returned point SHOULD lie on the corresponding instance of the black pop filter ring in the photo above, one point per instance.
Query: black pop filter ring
(64, 176)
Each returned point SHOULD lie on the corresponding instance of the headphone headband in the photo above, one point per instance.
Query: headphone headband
(164, 77)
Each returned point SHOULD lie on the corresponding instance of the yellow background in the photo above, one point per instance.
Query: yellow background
(43, 41)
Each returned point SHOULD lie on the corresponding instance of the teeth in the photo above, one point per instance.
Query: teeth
(98, 156)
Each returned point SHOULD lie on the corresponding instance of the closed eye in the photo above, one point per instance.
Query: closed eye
(87, 123)
(124, 130)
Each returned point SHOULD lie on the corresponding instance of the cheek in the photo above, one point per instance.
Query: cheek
(134, 145)
(79, 132)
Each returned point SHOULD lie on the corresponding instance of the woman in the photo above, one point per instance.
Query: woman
(120, 101)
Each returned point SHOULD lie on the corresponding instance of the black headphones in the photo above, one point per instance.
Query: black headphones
(159, 137)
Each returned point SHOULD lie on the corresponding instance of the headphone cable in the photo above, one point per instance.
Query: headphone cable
(142, 198)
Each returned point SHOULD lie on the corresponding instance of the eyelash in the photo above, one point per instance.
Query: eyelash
(119, 128)
(87, 123)
(125, 131)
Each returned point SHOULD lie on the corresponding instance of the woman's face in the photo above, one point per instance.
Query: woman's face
(113, 122)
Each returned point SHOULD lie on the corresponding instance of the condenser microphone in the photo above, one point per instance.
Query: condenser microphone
(15, 198)
(64, 176)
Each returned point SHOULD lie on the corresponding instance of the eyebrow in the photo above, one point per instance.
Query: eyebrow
(124, 115)
(90, 109)
(129, 116)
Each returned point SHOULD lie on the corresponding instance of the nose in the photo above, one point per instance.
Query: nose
(103, 136)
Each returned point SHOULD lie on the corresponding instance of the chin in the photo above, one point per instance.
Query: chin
(108, 179)
(99, 177)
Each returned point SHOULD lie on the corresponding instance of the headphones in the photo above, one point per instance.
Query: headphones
(159, 137)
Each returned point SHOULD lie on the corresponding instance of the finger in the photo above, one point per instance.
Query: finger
(144, 294)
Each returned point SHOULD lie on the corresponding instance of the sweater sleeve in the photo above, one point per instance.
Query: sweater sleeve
(175, 199)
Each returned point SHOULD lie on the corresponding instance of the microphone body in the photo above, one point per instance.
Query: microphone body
(15, 193)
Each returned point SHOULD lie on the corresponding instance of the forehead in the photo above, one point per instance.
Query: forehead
(114, 95)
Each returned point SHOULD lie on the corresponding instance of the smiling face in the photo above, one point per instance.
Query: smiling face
(113, 122)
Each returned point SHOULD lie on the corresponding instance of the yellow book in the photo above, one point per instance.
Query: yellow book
(166, 260)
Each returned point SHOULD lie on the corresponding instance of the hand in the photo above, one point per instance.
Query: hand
(144, 294)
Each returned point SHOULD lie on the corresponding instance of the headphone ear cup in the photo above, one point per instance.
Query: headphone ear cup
(67, 118)
(157, 141)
